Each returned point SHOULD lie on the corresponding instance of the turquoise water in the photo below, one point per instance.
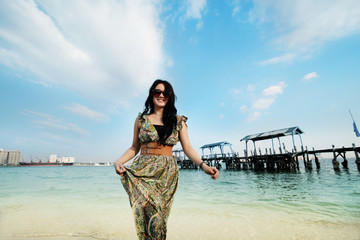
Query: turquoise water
(90, 203)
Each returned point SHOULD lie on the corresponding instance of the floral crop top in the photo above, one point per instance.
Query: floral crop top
(148, 132)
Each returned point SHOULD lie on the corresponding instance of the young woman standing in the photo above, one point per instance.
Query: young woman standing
(152, 179)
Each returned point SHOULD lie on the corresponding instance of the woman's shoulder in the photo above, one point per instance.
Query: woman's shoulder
(141, 117)
(181, 118)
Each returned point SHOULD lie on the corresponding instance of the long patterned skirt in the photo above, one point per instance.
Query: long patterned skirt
(151, 183)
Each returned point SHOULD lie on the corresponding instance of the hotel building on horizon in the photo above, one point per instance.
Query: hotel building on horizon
(55, 159)
(9, 157)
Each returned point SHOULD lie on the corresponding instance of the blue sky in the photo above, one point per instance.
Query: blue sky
(74, 74)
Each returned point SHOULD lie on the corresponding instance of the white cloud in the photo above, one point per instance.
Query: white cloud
(287, 58)
(235, 91)
(221, 116)
(243, 108)
(30, 113)
(199, 25)
(274, 90)
(250, 88)
(270, 94)
(84, 111)
(235, 10)
(301, 25)
(106, 51)
(263, 103)
(253, 116)
(60, 125)
(310, 76)
(193, 40)
(194, 8)
(170, 62)
(47, 121)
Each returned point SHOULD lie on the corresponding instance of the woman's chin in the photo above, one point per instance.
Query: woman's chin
(160, 103)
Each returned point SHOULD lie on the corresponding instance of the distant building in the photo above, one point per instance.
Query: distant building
(67, 159)
(9, 158)
(55, 159)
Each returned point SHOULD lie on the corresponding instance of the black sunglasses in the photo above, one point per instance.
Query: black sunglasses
(157, 93)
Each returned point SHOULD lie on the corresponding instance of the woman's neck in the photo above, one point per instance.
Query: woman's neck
(156, 117)
(158, 112)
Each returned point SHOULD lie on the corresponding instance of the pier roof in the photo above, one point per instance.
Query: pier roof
(212, 145)
(273, 134)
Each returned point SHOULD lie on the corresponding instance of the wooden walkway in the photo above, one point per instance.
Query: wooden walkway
(288, 161)
(285, 161)
(271, 159)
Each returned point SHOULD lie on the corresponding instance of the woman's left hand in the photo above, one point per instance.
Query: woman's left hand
(119, 168)
(212, 171)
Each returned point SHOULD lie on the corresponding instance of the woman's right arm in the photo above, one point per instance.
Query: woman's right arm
(131, 152)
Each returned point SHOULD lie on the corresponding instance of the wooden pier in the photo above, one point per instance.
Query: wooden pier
(183, 161)
(270, 159)
(290, 161)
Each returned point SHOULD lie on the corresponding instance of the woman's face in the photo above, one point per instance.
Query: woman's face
(158, 96)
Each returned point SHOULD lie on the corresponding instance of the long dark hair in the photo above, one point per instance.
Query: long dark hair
(169, 115)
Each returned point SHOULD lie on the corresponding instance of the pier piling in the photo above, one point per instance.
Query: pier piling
(335, 163)
(308, 161)
(296, 160)
(317, 163)
(345, 162)
(357, 158)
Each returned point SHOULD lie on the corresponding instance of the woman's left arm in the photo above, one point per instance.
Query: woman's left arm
(192, 154)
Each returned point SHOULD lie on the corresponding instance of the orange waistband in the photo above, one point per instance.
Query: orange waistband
(155, 148)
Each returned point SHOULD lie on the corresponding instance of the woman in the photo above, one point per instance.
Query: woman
(152, 179)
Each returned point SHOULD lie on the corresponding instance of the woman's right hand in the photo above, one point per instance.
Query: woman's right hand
(120, 169)
(212, 171)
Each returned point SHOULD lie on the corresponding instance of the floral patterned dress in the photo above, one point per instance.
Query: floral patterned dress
(151, 183)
